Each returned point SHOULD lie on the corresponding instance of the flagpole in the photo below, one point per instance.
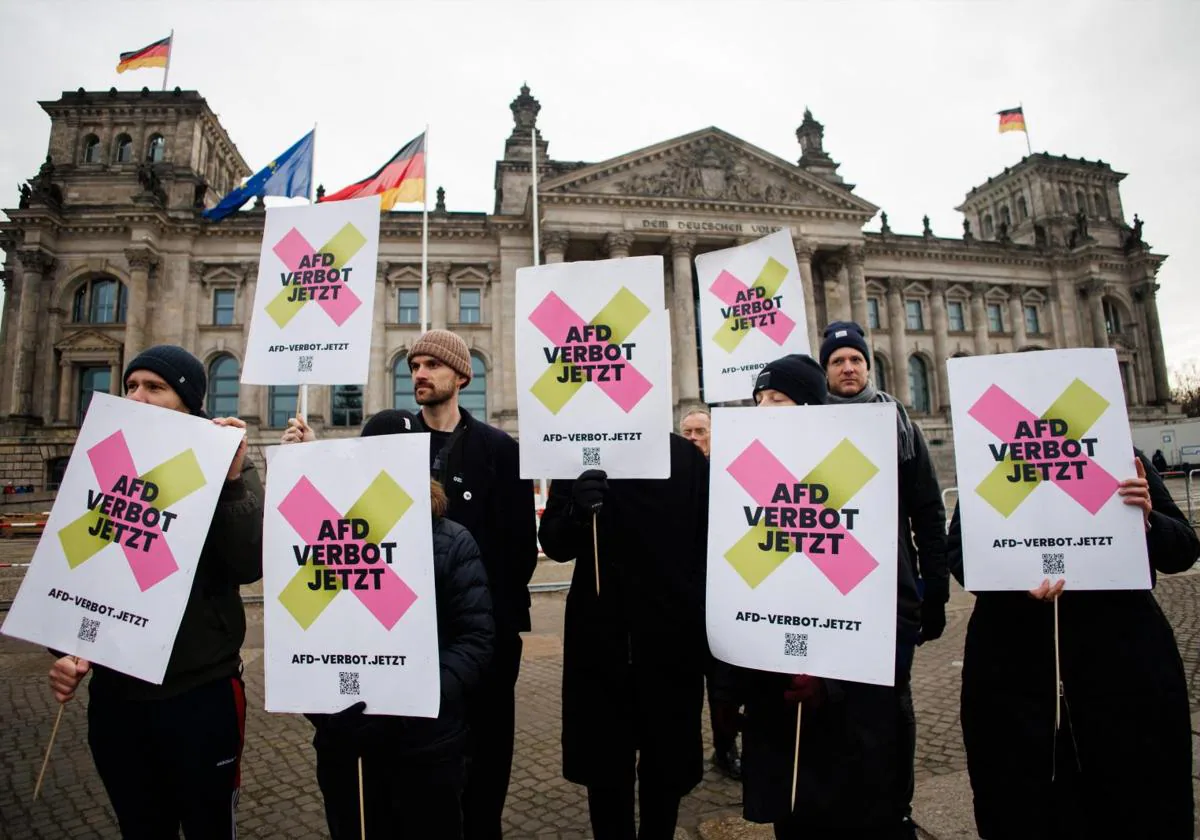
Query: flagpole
(1028, 144)
(302, 392)
(312, 167)
(170, 49)
(537, 233)
(425, 238)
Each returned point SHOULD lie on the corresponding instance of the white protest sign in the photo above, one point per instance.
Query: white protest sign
(113, 570)
(349, 602)
(802, 540)
(594, 369)
(315, 296)
(1041, 441)
(751, 312)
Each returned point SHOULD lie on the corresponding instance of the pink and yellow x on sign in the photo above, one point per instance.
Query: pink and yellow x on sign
(752, 307)
(132, 510)
(346, 551)
(595, 351)
(808, 516)
(1052, 447)
(319, 275)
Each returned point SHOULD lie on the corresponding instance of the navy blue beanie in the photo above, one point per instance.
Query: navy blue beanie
(179, 369)
(841, 334)
(796, 375)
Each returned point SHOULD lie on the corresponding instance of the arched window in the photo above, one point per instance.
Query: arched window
(1022, 209)
(346, 408)
(880, 366)
(474, 397)
(223, 387)
(402, 387)
(988, 226)
(1101, 204)
(91, 149)
(1080, 202)
(124, 149)
(1005, 216)
(1112, 317)
(100, 301)
(281, 404)
(157, 148)
(918, 384)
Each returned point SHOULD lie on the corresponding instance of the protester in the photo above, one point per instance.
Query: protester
(478, 465)
(170, 755)
(634, 654)
(696, 426)
(1121, 765)
(846, 777)
(1159, 461)
(923, 579)
(413, 769)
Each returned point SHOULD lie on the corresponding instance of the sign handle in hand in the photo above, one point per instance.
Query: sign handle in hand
(37, 788)
(1058, 686)
(362, 808)
(796, 756)
(596, 548)
(302, 403)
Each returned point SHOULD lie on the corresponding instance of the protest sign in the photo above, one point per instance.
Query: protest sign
(113, 569)
(315, 295)
(348, 582)
(802, 540)
(751, 312)
(1041, 442)
(594, 369)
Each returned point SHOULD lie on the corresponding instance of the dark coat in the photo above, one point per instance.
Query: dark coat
(1124, 755)
(481, 476)
(634, 658)
(466, 633)
(922, 539)
(209, 642)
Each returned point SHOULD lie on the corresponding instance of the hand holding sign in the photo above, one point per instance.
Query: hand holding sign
(66, 674)
(239, 457)
(1136, 491)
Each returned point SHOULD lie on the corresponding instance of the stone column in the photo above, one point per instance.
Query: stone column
(34, 266)
(554, 245)
(65, 388)
(1146, 295)
(804, 254)
(378, 387)
(438, 272)
(617, 244)
(1016, 314)
(683, 319)
(1095, 294)
(855, 257)
(979, 321)
(501, 360)
(941, 334)
(897, 323)
(140, 261)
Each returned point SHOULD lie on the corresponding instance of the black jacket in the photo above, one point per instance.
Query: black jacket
(466, 634)
(1126, 744)
(634, 657)
(922, 539)
(208, 645)
(481, 476)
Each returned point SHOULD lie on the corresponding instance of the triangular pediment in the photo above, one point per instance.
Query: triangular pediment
(89, 341)
(712, 166)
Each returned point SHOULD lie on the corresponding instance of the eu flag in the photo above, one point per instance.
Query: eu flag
(288, 175)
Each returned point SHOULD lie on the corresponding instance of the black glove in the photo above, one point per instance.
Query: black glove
(587, 494)
(349, 726)
(933, 621)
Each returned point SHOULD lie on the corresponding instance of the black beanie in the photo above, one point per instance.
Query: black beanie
(179, 369)
(841, 334)
(391, 421)
(796, 375)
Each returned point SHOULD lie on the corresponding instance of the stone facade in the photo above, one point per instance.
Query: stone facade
(107, 253)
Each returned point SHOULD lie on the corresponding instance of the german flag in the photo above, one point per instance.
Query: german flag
(400, 181)
(1012, 119)
(155, 55)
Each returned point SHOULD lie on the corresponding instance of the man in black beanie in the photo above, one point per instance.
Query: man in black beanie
(170, 755)
(791, 380)
(923, 576)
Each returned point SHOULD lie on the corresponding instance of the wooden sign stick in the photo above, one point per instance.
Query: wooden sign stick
(1058, 686)
(37, 788)
(796, 757)
(362, 807)
(596, 550)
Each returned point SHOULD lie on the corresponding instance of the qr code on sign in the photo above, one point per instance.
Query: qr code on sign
(348, 683)
(591, 456)
(304, 364)
(1053, 564)
(87, 630)
(795, 644)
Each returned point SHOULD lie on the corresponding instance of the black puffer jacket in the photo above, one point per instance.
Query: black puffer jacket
(465, 636)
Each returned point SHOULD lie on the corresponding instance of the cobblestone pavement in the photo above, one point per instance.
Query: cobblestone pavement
(280, 796)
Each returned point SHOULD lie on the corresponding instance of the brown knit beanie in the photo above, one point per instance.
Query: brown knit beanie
(447, 348)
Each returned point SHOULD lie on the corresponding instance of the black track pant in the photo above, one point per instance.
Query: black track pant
(491, 717)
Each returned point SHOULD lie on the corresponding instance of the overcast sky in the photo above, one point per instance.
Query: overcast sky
(907, 90)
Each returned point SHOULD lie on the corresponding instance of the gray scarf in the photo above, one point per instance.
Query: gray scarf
(905, 437)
